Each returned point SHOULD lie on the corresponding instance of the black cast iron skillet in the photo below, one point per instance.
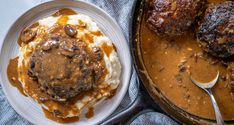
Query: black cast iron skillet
(149, 97)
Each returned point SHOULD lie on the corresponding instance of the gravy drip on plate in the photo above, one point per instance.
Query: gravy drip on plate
(169, 64)
(90, 113)
(64, 11)
(55, 110)
(50, 116)
(12, 74)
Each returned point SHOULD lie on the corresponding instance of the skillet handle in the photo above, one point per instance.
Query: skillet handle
(129, 112)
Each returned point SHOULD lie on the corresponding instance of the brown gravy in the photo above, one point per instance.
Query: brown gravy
(90, 113)
(13, 75)
(50, 116)
(30, 27)
(107, 49)
(169, 64)
(64, 11)
(62, 20)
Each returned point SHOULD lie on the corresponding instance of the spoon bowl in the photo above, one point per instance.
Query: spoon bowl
(207, 87)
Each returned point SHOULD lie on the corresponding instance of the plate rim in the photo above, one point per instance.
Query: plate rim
(112, 20)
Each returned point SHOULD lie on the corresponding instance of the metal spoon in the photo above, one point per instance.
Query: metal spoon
(207, 87)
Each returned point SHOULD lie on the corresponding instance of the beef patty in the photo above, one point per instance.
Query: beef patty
(172, 18)
(216, 33)
(65, 66)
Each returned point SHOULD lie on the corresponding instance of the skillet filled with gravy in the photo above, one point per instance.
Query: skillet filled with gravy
(173, 39)
(172, 42)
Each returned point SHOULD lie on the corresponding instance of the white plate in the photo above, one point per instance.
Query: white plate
(26, 107)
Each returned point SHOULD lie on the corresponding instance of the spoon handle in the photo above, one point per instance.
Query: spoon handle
(218, 115)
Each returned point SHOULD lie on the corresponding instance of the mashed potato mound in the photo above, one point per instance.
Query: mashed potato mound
(87, 31)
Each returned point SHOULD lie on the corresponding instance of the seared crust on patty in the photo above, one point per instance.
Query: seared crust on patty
(216, 33)
(172, 18)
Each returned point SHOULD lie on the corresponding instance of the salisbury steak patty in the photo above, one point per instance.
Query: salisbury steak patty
(64, 66)
(216, 33)
(173, 17)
